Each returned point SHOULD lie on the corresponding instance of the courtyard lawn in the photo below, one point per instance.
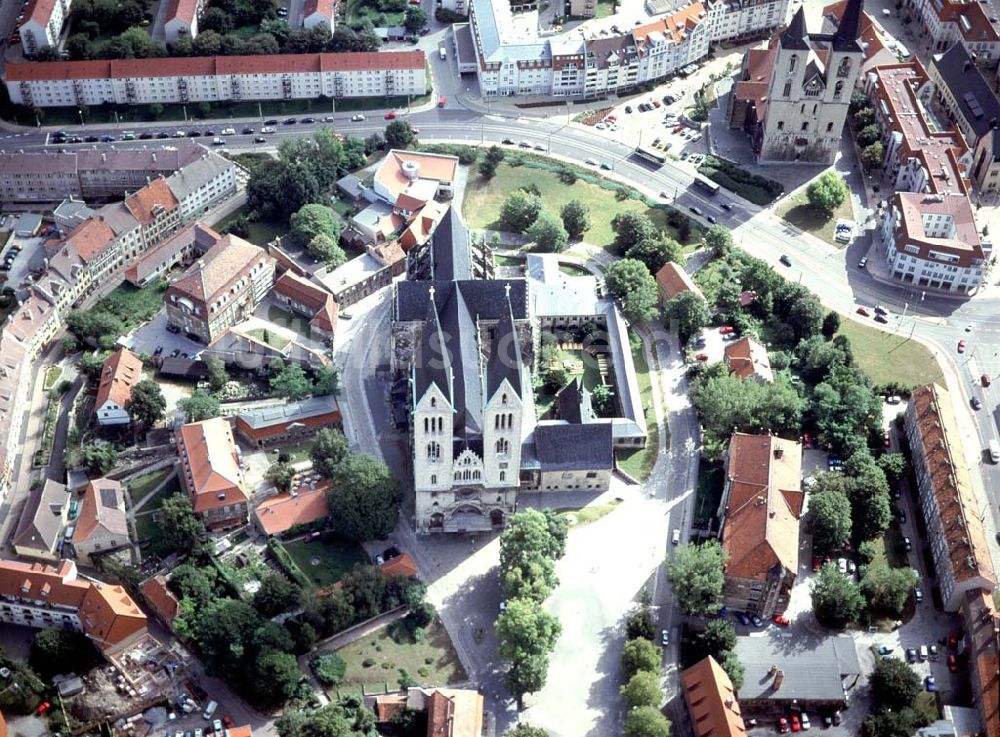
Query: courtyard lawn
(432, 662)
(578, 365)
(287, 319)
(261, 232)
(133, 305)
(325, 560)
(796, 211)
(483, 199)
(887, 358)
(142, 485)
(639, 463)
(606, 8)
(268, 336)
(298, 452)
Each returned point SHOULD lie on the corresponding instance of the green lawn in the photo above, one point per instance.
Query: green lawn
(268, 336)
(483, 199)
(52, 374)
(796, 211)
(888, 358)
(432, 662)
(508, 261)
(639, 463)
(133, 305)
(298, 452)
(578, 365)
(261, 232)
(581, 516)
(142, 485)
(606, 8)
(150, 534)
(326, 560)
(573, 270)
(287, 319)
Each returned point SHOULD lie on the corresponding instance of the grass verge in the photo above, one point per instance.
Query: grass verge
(639, 463)
(325, 560)
(580, 516)
(52, 374)
(891, 358)
(797, 211)
(377, 662)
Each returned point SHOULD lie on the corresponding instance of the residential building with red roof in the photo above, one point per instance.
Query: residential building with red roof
(287, 422)
(160, 599)
(761, 505)
(956, 537)
(672, 280)
(450, 712)
(281, 513)
(950, 22)
(182, 19)
(181, 248)
(36, 595)
(711, 700)
(982, 647)
(102, 524)
(211, 473)
(748, 359)
(220, 289)
(217, 78)
(401, 565)
(43, 24)
(308, 298)
(122, 371)
(319, 13)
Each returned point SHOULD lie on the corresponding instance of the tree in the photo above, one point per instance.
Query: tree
(79, 47)
(864, 117)
(869, 134)
(312, 220)
(893, 465)
(887, 589)
(291, 382)
(526, 730)
(890, 723)
(718, 240)
(146, 404)
(182, 529)
(576, 218)
(91, 364)
(873, 155)
(646, 721)
(531, 543)
(602, 399)
(827, 192)
(280, 474)
(491, 160)
(642, 689)
(725, 402)
(640, 654)
(324, 248)
(858, 100)
(718, 638)
(631, 227)
(640, 624)
(328, 452)
(654, 252)
(835, 598)
(630, 281)
(695, 573)
(275, 677)
(548, 233)
(98, 457)
(199, 406)
(414, 19)
(52, 650)
(326, 380)
(831, 324)
(526, 635)
(520, 209)
(218, 377)
(198, 584)
(276, 595)
(894, 684)
(691, 313)
(363, 498)
(399, 134)
(830, 513)
(215, 19)
(734, 668)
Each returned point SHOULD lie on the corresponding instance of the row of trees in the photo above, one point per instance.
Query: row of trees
(867, 130)
(526, 633)
(641, 661)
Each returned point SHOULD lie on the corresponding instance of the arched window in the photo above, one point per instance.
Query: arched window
(792, 62)
(788, 89)
(503, 476)
(475, 475)
(503, 399)
(434, 402)
(434, 479)
(434, 451)
(845, 68)
(426, 425)
(510, 420)
(838, 89)
(503, 446)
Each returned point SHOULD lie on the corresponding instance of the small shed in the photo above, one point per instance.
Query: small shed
(28, 224)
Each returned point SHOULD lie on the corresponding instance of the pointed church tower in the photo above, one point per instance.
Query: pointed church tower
(432, 380)
(503, 407)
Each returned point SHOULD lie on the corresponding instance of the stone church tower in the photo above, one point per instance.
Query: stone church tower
(809, 92)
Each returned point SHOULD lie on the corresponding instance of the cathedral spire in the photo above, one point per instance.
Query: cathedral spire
(796, 36)
(849, 30)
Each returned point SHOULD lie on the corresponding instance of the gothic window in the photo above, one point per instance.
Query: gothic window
(845, 68)
(802, 110)
(496, 422)
(475, 475)
(434, 450)
(434, 479)
(503, 446)
(458, 475)
(781, 125)
(788, 89)
(426, 425)
(838, 90)
(503, 476)
(829, 127)
(805, 126)
(814, 109)
(792, 62)
(510, 420)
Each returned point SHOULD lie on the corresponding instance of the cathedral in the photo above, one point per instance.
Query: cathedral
(793, 97)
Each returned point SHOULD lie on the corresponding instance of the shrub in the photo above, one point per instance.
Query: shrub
(329, 668)
(367, 663)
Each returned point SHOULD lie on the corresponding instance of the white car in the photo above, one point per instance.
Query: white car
(591, 162)
(229, 131)
(665, 638)
(805, 721)
(601, 126)
(328, 119)
(357, 117)
(267, 129)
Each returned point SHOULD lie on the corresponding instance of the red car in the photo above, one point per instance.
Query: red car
(985, 380)
(796, 724)
(678, 128)
(390, 116)
(702, 356)
(817, 563)
(952, 663)
(961, 346)
(442, 101)
(782, 725)
(725, 329)
(953, 639)
(862, 311)
(228, 721)
(43, 707)
(780, 621)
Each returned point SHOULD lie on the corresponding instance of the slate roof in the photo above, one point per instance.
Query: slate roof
(973, 94)
(796, 36)
(504, 362)
(573, 403)
(41, 520)
(451, 254)
(813, 667)
(849, 29)
(566, 447)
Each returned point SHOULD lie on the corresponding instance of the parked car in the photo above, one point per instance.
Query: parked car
(757, 621)
(952, 663)
(389, 115)
(289, 121)
(985, 380)
(796, 724)
(742, 617)
(907, 545)
(782, 725)
(961, 346)
(976, 403)
(932, 653)
(308, 120)
(862, 262)
(911, 655)
(785, 260)
(918, 594)
(806, 724)
(883, 650)
(930, 684)
(780, 621)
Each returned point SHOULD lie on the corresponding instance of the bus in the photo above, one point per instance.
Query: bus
(650, 155)
(707, 185)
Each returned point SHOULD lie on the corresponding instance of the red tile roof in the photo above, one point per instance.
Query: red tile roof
(323, 7)
(160, 599)
(401, 565)
(103, 506)
(91, 237)
(207, 450)
(222, 265)
(711, 700)
(206, 66)
(121, 372)
(281, 513)
(40, 11)
(146, 204)
(981, 626)
(746, 357)
(183, 10)
(455, 713)
(301, 290)
(673, 280)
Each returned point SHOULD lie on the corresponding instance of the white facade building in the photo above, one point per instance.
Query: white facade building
(182, 19)
(217, 78)
(319, 13)
(43, 24)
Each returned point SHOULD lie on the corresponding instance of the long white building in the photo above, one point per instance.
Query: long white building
(43, 24)
(216, 78)
(513, 58)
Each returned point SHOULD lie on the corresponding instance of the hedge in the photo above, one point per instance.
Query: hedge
(759, 190)
(285, 562)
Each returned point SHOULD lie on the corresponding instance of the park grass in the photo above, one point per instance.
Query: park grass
(639, 463)
(483, 199)
(142, 485)
(796, 211)
(891, 358)
(336, 558)
(269, 336)
(432, 662)
(585, 515)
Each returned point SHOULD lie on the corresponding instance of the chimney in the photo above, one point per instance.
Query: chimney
(779, 677)
(154, 157)
(966, 66)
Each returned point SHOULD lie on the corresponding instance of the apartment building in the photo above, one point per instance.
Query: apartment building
(216, 79)
(761, 505)
(181, 248)
(122, 371)
(220, 289)
(963, 97)
(310, 299)
(102, 524)
(43, 24)
(319, 13)
(202, 184)
(36, 595)
(182, 19)
(932, 241)
(963, 22)
(744, 19)
(955, 532)
(212, 473)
